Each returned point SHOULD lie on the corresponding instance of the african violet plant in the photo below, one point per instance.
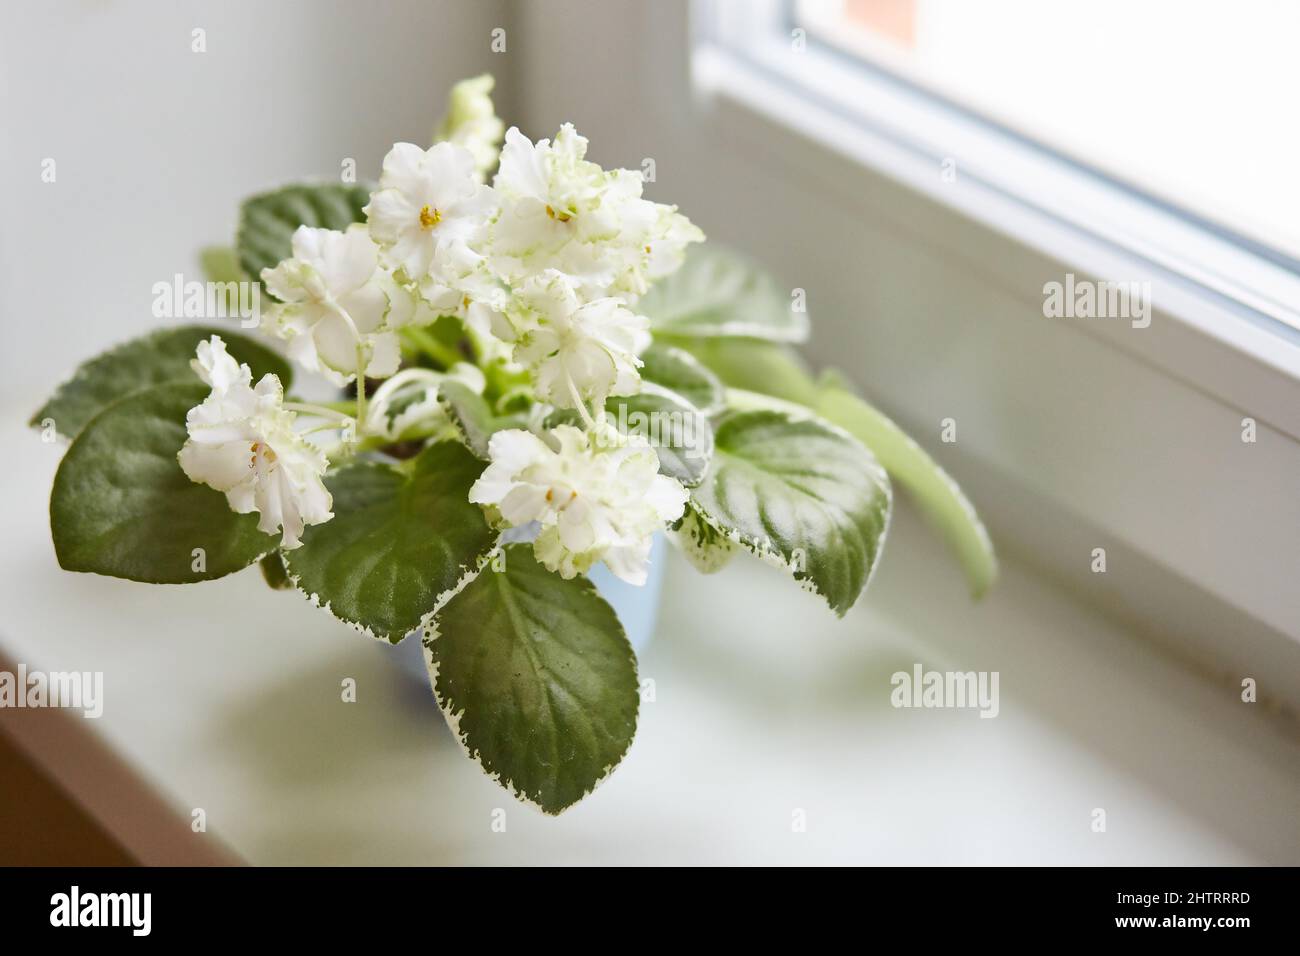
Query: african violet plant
(536, 375)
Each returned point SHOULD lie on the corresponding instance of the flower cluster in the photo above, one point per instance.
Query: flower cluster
(594, 497)
(542, 265)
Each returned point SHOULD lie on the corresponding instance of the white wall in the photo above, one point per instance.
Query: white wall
(156, 145)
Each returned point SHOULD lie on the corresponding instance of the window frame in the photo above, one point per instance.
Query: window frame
(1053, 459)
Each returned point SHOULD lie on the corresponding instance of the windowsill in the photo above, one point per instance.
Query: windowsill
(226, 696)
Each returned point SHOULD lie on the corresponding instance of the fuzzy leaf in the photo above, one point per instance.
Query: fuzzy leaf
(267, 221)
(537, 679)
(771, 369)
(121, 505)
(472, 418)
(401, 539)
(800, 493)
(154, 359)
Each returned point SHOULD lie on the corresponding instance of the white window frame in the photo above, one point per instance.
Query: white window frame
(1071, 434)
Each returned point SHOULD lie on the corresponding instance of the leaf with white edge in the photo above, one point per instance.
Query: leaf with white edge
(933, 489)
(537, 680)
(755, 365)
(267, 221)
(121, 505)
(155, 359)
(707, 548)
(774, 370)
(718, 292)
(402, 539)
(468, 411)
(801, 494)
(679, 371)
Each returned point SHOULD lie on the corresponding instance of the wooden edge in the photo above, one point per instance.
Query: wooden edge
(133, 811)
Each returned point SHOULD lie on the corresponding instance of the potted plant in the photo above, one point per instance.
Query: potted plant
(537, 372)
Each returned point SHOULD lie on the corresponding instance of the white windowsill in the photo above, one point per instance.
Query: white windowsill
(226, 696)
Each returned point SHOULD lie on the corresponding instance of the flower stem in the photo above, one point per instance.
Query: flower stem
(578, 402)
(361, 385)
(307, 408)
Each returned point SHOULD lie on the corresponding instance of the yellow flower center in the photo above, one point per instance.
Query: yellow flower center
(429, 217)
(561, 215)
(257, 448)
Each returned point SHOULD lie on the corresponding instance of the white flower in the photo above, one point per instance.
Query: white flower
(339, 306)
(578, 351)
(560, 211)
(241, 442)
(463, 287)
(406, 406)
(430, 211)
(472, 122)
(596, 498)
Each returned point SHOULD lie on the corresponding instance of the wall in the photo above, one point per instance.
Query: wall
(155, 145)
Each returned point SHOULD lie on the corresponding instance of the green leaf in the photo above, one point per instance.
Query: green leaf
(934, 491)
(707, 548)
(718, 292)
(678, 371)
(155, 359)
(473, 419)
(220, 264)
(267, 221)
(401, 540)
(537, 679)
(801, 494)
(274, 573)
(770, 369)
(754, 365)
(121, 505)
